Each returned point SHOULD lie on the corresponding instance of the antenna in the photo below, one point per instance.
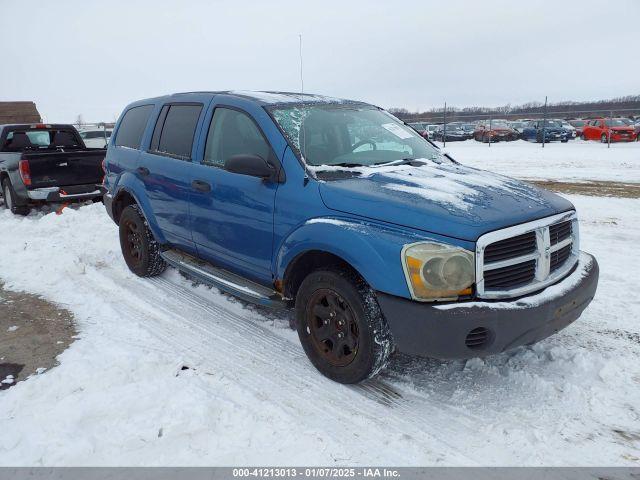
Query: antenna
(301, 77)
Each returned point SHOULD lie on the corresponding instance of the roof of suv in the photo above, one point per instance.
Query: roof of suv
(275, 98)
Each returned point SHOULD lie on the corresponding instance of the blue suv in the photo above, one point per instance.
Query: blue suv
(378, 240)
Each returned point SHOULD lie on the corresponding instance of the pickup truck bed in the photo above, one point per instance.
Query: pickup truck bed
(34, 174)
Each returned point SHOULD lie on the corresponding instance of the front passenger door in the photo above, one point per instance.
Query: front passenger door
(232, 221)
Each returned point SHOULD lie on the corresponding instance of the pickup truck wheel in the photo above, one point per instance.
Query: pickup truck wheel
(9, 196)
(140, 250)
(341, 326)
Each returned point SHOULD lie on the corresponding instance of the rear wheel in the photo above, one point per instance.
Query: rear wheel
(341, 326)
(9, 195)
(140, 250)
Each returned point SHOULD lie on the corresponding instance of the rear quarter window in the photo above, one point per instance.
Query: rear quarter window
(132, 126)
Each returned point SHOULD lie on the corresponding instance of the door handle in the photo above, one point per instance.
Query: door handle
(144, 171)
(201, 186)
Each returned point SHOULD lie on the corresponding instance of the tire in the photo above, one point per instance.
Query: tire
(330, 303)
(140, 250)
(9, 195)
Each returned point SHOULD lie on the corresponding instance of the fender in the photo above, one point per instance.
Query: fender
(373, 249)
(131, 184)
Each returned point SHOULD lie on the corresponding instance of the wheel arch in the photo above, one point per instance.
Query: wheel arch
(126, 195)
(371, 251)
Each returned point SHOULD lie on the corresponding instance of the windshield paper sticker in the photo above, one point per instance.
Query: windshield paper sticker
(397, 130)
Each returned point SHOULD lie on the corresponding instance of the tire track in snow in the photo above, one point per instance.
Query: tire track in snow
(235, 337)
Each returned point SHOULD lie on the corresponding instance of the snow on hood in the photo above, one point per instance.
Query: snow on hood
(447, 199)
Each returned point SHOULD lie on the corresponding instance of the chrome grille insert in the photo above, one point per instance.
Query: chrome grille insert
(524, 258)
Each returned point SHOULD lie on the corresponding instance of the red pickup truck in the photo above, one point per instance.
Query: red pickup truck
(602, 128)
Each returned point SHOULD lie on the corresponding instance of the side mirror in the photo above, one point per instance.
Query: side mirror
(252, 165)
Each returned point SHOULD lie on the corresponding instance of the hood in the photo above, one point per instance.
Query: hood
(627, 128)
(446, 199)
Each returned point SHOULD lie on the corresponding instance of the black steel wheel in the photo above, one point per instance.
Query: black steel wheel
(332, 327)
(140, 250)
(341, 326)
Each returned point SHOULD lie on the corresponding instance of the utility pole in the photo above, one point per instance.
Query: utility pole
(444, 131)
(544, 121)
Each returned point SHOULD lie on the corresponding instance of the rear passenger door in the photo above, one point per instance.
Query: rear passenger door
(165, 170)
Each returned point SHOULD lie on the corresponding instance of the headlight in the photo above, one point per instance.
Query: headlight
(435, 271)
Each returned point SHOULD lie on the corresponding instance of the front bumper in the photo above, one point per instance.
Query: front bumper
(58, 194)
(442, 330)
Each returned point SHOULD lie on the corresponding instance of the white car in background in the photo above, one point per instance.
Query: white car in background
(569, 128)
(95, 137)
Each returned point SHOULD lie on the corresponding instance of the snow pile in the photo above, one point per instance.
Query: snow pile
(165, 373)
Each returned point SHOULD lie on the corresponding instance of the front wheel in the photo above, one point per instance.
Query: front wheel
(341, 326)
(9, 195)
(140, 250)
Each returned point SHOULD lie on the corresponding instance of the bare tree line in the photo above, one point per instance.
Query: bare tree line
(620, 106)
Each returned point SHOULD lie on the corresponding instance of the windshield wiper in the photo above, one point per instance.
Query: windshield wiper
(345, 165)
(404, 161)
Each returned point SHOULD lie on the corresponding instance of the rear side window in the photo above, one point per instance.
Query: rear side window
(132, 126)
(174, 132)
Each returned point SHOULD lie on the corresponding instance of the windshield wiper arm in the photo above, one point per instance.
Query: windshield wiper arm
(404, 161)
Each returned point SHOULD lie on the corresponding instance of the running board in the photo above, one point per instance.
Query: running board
(223, 280)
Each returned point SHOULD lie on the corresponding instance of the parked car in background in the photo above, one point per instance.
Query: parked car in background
(494, 131)
(578, 124)
(571, 130)
(452, 133)
(609, 129)
(42, 163)
(518, 126)
(419, 127)
(549, 130)
(430, 130)
(263, 195)
(95, 137)
(466, 128)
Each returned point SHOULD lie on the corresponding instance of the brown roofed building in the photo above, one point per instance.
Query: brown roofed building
(19, 112)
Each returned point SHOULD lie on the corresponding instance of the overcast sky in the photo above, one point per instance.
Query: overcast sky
(93, 57)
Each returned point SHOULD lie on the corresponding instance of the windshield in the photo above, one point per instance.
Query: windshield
(350, 135)
(578, 123)
(551, 124)
(615, 122)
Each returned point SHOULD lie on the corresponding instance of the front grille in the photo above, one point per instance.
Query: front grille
(511, 276)
(510, 248)
(525, 258)
(559, 232)
(559, 257)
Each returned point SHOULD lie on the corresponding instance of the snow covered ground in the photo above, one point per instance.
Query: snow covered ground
(576, 160)
(249, 396)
